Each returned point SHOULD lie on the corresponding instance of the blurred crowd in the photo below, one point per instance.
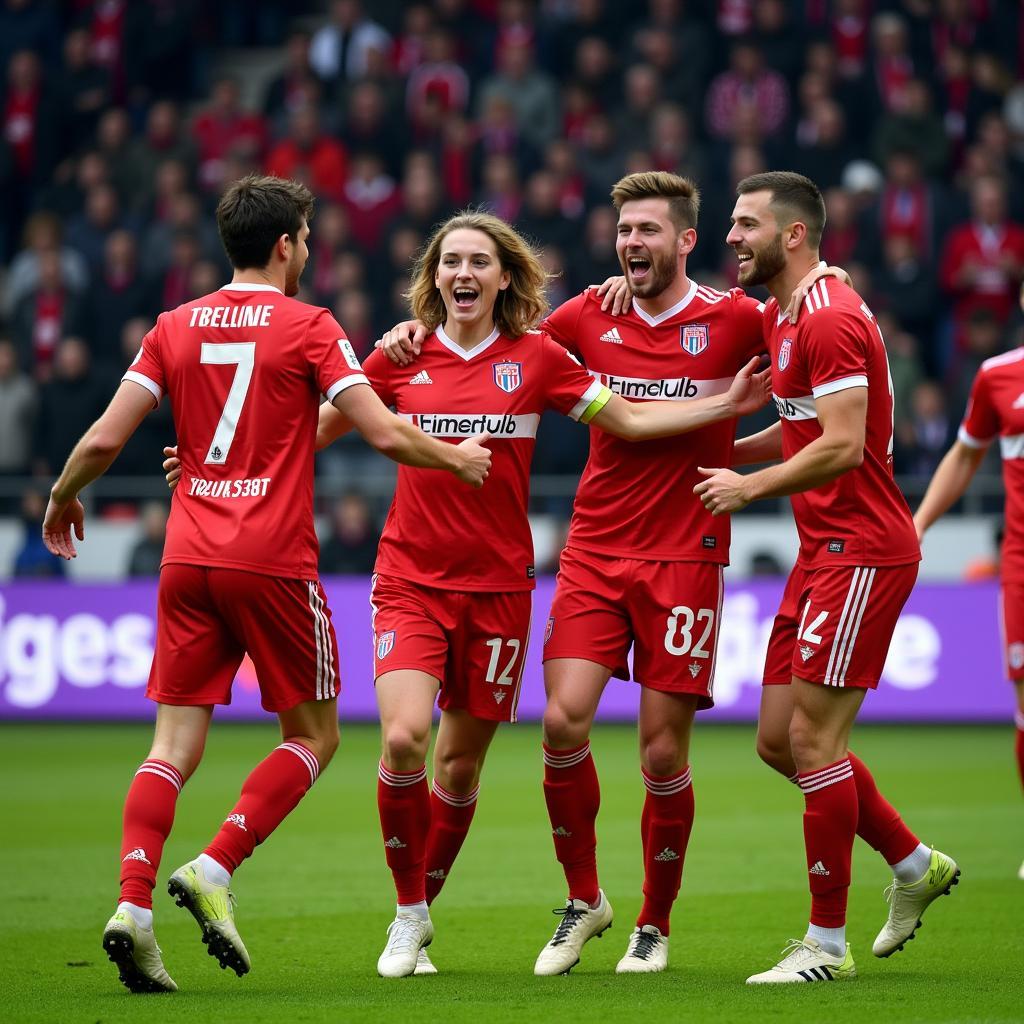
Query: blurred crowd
(122, 122)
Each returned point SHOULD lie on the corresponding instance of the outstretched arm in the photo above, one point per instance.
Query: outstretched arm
(951, 478)
(764, 446)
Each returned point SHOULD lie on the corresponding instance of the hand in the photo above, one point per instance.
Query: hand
(172, 466)
(750, 391)
(403, 342)
(724, 491)
(60, 519)
(615, 295)
(477, 462)
(796, 300)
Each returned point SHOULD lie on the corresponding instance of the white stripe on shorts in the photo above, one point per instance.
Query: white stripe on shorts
(849, 626)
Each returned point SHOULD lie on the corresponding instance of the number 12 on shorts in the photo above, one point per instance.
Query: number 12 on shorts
(498, 658)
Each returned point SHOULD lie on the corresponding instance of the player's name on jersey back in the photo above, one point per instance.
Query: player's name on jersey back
(253, 487)
(230, 316)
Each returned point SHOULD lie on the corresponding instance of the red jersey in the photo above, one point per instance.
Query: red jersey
(860, 518)
(996, 408)
(635, 499)
(244, 368)
(440, 532)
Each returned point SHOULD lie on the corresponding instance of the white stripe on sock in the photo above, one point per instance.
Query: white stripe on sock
(306, 757)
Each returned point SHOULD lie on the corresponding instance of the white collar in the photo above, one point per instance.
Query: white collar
(241, 286)
(669, 313)
(466, 354)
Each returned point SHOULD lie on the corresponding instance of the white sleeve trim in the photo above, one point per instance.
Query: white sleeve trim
(150, 385)
(586, 398)
(970, 440)
(346, 382)
(858, 380)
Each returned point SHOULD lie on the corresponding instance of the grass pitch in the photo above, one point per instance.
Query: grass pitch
(315, 900)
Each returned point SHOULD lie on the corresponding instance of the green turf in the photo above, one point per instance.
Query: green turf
(315, 900)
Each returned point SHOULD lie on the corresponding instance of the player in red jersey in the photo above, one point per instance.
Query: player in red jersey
(856, 567)
(454, 571)
(995, 409)
(643, 565)
(244, 368)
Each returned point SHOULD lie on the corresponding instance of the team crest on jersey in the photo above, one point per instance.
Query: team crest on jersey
(385, 642)
(693, 338)
(508, 376)
(785, 350)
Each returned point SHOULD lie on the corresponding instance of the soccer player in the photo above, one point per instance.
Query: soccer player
(451, 592)
(857, 564)
(995, 409)
(643, 564)
(244, 368)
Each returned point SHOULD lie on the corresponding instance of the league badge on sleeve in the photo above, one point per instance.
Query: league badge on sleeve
(784, 352)
(693, 338)
(385, 642)
(508, 376)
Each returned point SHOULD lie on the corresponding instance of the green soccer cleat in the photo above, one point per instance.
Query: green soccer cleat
(805, 960)
(212, 906)
(134, 951)
(907, 902)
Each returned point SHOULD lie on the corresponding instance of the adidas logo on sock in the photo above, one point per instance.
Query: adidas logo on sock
(438, 874)
(137, 854)
(394, 843)
(612, 336)
(421, 378)
(237, 819)
(666, 855)
(819, 869)
(805, 651)
(561, 831)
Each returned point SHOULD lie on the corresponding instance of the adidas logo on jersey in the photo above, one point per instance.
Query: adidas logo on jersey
(421, 378)
(561, 831)
(239, 820)
(394, 843)
(819, 869)
(137, 854)
(805, 651)
(695, 669)
(612, 336)
(666, 855)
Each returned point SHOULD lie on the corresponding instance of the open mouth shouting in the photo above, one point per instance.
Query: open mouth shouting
(464, 297)
(639, 268)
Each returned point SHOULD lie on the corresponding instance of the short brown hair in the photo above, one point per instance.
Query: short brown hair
(517, 309)
(682, 194)
(798, 197)
(255, 212)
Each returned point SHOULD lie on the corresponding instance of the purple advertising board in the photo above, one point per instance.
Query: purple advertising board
(73, 651)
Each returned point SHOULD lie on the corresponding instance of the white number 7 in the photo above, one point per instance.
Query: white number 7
(243, 355)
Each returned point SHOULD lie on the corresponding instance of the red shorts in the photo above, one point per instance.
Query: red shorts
(473, 643)
(668, 611)
(1011, 627)
(209, 618)
(834, 624)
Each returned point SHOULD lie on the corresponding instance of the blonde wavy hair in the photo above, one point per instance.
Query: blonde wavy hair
(518, 308)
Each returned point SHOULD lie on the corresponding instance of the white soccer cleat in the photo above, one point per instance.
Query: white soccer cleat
(407, 935)
(212, 907)
(134, 951)
(805, 960)
(424, 965)
(646, 953)
(907, 902)
(579, 924)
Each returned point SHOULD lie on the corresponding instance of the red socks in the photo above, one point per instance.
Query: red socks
(270, 793)
(1019, 719)
(665, 830)
(830, 826)
(403, 801)
(148, 817)
(879, 823)
(450, 818)
(573, 796)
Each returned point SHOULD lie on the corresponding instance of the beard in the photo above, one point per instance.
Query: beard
(661, 275)
(292, 275)
(765, 265)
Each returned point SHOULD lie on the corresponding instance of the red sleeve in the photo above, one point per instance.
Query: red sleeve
(331, 358)
(981, 422)
(748, 315)
(569, 389)
(147, 367)
(562, 323)
(834, 343)
(380, 372)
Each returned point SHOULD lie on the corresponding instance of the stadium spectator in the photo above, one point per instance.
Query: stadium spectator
(82, 90)
(922, 441)
(19, 402)
(33, 560)
(340, 51)
(102, 215)
(371, 200)
(225, 127)
(43, 234)
(905, 285)
(310, 155)
(148, 551)
(749, 85)
(912, 125)
(289, 89)
(351, 546)
(368, 125)
(437, 88)
(162, 142)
